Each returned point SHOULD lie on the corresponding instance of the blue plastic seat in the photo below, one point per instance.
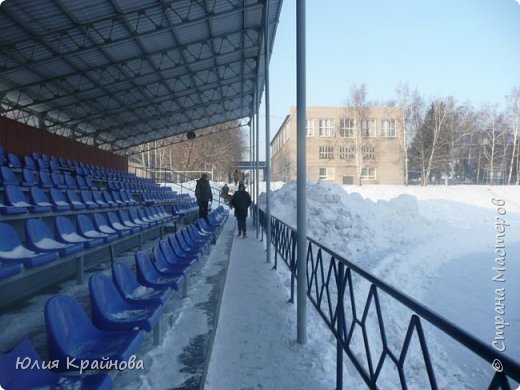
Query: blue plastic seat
(59, 203)
(74, 200)
(13, 161)
(101, 224)
(7, 176)
(40, 238)
(58, 180)
(40, 200)
(42, 165)
(144, 217)
(71, 334)
(172, 258)
(134, 217)
(125, 220)
(14, 378)
(29, 178)
(107, 198)
(132, 291)
(88, 200)
(179, 250)
(12, 250)
(82, 185)
(45, 179)
(29, 163)
(66, 233)
(87, 229)
(117, 198)
(10, 210)
(54, 165)
(69, 181)
(115, 223)
(89, 182)
(15, 199)
(96, 196)
(148, 276)
(164, 267)
(111, 312)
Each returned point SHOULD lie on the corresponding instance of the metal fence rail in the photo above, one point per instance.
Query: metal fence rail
(332, 291)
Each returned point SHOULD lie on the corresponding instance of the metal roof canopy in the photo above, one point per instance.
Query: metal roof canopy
(119, 73)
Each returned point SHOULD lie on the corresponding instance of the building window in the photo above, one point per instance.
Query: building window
(388, 128)
(326, 152)
(368, 152)
(326, 173)
(347, 152)
(347, 128)
(310, 127)
(326, 127)
(368, 174)
(368, 128)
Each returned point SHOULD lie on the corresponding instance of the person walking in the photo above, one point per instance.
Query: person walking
(204, 196)
(241, 201)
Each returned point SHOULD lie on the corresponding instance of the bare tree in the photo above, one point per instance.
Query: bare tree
(363, 145)
(493, 142)
(514, 109)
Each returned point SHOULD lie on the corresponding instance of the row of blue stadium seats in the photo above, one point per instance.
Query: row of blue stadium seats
(42, 246)
(122, 308)
(15, 201)
(43, 162)
(45, 179)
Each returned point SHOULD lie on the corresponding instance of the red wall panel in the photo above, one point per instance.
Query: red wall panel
(22, 139)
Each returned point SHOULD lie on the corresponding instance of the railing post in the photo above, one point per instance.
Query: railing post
(340, 324)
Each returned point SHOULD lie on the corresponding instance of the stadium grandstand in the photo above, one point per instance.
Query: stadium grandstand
(111, 280)
(82, 84)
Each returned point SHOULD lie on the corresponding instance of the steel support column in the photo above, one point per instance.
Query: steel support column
(301, 175)
(267, 177)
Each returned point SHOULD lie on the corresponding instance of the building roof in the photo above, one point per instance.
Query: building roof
(117, 74)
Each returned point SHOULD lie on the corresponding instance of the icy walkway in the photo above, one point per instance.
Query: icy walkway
(255, 344)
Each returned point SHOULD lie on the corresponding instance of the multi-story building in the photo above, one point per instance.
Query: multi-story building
(344, 146)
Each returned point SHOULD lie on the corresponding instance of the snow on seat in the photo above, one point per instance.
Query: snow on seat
(40, 238)
(132, 291)
(125, 220)
(87, 229)
(115, 223)
(71, 335)
(102, 225)
(111, 312)
(13, 377)
(66, 233)
(190, 248)
(15, 200)
(134, 217)
(74, 200)
(58, 200)
(96, 196)
(12, 250)
(148, 276)
(40, 200)
(193, 237)
(86, 197)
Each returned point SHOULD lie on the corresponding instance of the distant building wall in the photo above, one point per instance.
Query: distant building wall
(21, 139)
(342, 147)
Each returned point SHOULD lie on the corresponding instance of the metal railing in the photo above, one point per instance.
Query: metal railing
(332, 283)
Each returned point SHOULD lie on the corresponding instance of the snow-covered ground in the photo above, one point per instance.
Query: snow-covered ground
(437, 245)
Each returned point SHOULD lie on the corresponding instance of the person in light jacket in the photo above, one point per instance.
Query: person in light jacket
(241, 201)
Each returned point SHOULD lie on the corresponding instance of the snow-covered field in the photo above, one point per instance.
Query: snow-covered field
(437, 245)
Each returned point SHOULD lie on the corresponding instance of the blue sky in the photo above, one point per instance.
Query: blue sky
(469, 49)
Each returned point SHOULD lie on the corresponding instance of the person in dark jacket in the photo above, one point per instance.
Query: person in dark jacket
(241, 201)
(204, 195)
